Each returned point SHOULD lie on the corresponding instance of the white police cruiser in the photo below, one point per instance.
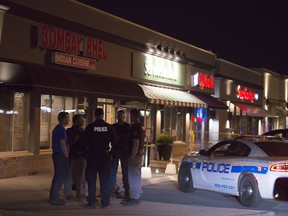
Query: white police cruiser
(250, 168)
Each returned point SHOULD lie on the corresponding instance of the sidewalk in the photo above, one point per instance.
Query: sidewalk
(28, 195)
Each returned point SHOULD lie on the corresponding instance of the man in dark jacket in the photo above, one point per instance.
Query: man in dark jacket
(120, 152)
(136, 145)
(77, 160)
(96, 137)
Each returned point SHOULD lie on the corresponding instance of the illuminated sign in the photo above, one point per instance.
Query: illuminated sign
(74, 61)
(200, 113)
(245, 94)
(203, 80)
(149, 67)
(160, 68)
(73, 43)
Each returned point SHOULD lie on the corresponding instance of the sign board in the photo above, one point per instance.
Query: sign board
(158, 69)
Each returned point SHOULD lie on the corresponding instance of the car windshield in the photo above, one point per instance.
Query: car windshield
(274, 149)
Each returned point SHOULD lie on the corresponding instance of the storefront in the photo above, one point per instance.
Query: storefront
(169, 104)
(275, 98)
(203, 87)
(66, 62)
(242, 90)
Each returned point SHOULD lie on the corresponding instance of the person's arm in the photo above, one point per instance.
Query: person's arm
(63, 147)
(134, 148)
(114, 138)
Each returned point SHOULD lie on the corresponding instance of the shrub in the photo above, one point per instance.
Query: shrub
(164, 138)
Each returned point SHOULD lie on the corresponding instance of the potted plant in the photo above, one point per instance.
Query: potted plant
(164, 145)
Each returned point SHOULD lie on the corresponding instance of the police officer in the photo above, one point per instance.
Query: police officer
(96, 137)
(136, 145)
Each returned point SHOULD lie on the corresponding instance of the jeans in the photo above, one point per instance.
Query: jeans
(123, 158)
(68, 184)
(60, 171)
(78, 173)
(134, 177)
(98, 162)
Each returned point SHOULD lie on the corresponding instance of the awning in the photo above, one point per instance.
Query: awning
(278, 109)
(62, 82)
(254, 111)
(212, 102)
(172, 97)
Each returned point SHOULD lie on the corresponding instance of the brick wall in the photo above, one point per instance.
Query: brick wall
(25, 165)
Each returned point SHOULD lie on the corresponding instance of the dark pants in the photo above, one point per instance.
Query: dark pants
(78, 174)
(123, 158)
(60, 171)
(98, 162)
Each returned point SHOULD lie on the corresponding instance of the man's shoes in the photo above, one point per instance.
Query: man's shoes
(118, 195)
(57, 202)
(81, 199)
(132, 202)
(124, 200)
(89, 205)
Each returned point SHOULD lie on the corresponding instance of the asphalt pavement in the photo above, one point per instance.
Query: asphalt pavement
(28, 195)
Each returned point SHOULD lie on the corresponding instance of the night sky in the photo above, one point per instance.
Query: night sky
(251, 33)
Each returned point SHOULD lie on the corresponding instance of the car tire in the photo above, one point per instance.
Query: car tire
(249, 194)
(185, 181)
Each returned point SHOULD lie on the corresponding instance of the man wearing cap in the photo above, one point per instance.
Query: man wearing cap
(96, 137)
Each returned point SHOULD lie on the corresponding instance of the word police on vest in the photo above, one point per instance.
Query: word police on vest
(100, 129)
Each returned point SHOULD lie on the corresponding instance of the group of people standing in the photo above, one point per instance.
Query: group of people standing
(79, 155)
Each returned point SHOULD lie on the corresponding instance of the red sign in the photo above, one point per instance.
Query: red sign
(206, 81)
(203, 80)
(245, 94)
(74, 61)
(70, 42)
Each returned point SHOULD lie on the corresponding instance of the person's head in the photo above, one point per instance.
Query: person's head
(98, 113)
(120, 116)
(135, 115)
(78, 120)
(63, 118)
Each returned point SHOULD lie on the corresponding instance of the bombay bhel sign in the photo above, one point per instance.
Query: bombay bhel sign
(73, 61)
(72, 49)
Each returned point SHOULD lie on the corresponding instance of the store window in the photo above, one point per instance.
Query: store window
(172, 121)
(14, 120)
(109, 109)
(51, 105)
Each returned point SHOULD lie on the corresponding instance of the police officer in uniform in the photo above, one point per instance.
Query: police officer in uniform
(136, 137)
(96, 137)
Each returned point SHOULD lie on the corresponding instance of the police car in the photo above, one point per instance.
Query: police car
(250, 168)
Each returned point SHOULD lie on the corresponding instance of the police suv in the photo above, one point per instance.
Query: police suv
(250, 168)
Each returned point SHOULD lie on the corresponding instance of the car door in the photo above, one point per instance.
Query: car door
(215, 172)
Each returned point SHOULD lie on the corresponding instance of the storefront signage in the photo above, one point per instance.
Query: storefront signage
(74, 61)
(244, 94)
(160, 68)
(72, 43)
(203, 80)
(200, 113)
(157, 69)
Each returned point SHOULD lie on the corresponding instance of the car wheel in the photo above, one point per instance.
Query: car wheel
(249, 195)
(185, 180)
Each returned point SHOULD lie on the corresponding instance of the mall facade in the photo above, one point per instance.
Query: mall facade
(52, 60)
